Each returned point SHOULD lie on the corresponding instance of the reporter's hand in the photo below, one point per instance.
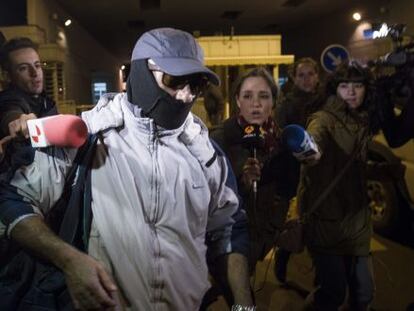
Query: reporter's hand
(310, 159)
(3, 143)
(18, 127)
(251, 171)
(90, 285)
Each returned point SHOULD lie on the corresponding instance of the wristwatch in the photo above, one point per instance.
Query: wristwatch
(243, 308)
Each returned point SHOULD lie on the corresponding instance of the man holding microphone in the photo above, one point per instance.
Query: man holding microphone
(161, 194)
(24, 99)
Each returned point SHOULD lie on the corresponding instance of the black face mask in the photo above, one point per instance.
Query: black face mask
(143, 91)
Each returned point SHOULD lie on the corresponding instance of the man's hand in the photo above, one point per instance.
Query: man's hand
(251, 171)
(90, 285)
(3, 143)
(18, 127)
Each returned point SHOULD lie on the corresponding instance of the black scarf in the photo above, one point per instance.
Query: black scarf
(143, 91)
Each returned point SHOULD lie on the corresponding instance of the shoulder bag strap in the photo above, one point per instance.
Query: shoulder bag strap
(324, 194)
(73, 217)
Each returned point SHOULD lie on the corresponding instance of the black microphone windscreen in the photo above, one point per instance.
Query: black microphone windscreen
(253, 136)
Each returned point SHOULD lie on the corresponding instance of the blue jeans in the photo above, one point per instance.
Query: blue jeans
(335, 274)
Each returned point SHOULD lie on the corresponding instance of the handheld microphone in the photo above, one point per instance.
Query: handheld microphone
(298, 140)
(60, 131)
(253, 139)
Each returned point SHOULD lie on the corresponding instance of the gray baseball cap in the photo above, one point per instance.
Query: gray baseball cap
(175, 51)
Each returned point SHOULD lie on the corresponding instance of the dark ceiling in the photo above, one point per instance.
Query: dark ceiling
(118, 23)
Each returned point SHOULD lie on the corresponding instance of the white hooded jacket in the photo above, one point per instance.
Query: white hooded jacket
(156, 195)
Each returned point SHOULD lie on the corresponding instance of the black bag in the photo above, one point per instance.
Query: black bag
(28, 283)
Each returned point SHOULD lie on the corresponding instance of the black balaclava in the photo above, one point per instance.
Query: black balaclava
(143, 91)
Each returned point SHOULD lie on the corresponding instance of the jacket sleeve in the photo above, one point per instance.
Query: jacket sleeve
(318, 127)
(33, 188)
(11, 107)
(227, 230)
(282, 112)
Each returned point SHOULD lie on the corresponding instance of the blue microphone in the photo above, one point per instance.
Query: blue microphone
(299, 141)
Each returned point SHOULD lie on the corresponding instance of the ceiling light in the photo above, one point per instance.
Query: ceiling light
(68, 22)
(357, 16)
(122, 67)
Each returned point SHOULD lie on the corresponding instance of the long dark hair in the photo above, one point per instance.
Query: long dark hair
(256, 72)
(353, 72)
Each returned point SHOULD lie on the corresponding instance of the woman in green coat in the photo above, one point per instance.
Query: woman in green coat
(339, 230)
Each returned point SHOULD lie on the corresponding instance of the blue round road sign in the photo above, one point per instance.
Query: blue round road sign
(332, 56)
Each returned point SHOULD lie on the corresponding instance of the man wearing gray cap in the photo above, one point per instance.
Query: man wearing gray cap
(162, 194)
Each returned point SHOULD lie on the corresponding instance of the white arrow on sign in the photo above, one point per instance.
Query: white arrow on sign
(332, 56)
(336, 60)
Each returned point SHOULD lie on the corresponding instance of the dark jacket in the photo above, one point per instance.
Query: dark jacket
(398, 129)
(341, 225)
(273, 188)
(396, 91)
(14, 102)
(296, 106)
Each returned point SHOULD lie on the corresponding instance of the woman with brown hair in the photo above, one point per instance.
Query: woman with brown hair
(338, 230)
(259, 164)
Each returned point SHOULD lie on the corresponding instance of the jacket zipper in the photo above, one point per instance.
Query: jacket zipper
(155, 201)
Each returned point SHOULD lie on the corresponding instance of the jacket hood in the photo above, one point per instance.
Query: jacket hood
(111, 110)
(335, 105)
(339, 108)
(106, 114)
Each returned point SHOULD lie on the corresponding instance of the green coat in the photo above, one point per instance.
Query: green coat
(341, 225)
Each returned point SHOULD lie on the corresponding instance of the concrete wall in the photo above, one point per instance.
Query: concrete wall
(13, 13)
(83, 54)
(402, 11)
(311, 38)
